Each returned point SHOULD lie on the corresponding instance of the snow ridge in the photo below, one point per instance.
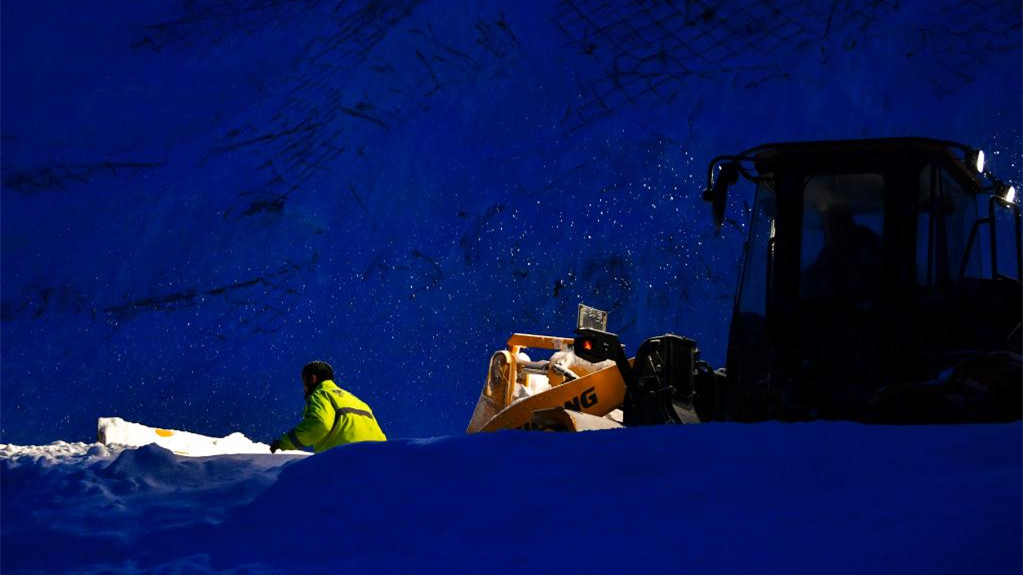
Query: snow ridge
(720, 498)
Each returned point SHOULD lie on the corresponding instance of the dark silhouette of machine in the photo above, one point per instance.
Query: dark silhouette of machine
(881, 282)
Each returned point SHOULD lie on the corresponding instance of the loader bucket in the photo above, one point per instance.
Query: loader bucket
(516, 387)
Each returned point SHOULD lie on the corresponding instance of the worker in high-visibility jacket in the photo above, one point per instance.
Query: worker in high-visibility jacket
(332, 417)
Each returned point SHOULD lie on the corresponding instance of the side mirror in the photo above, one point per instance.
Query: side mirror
(717, 191)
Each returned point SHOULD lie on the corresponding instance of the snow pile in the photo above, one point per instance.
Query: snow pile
(714, 498)
(89, 502)
(59, 454)
(116, 431)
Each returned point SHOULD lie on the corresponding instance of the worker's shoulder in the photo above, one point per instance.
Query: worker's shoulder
(331, 392)
(328, 388)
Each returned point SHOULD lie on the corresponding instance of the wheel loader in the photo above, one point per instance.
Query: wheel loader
(881, 282)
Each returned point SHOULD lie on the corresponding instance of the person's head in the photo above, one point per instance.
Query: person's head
(314, 373)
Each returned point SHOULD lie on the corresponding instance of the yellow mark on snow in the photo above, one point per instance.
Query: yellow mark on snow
(164, 432)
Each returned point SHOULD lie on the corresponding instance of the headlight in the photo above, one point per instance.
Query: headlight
(979, 154)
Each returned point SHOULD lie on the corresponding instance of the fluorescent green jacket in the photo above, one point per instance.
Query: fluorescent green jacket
(332, 417)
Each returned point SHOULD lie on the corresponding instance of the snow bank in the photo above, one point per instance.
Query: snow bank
(713, 498)
(116, 431)
(94, 501)
(817, 498)
(56, 454)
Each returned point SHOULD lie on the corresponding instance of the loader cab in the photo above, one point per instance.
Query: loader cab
(868, 263)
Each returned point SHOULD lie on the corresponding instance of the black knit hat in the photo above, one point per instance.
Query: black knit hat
(320, 369)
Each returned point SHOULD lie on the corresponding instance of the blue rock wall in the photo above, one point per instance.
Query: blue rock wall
(200, 196)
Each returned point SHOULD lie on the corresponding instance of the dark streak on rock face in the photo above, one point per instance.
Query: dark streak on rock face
(265, 206)
(470, 240)
(186, 298)
(43, 299)
(61, 176)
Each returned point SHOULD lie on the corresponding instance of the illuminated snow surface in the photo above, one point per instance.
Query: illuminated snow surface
(116, 431)
(714, 498)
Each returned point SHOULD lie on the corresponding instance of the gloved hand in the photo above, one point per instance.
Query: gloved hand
(275, 445)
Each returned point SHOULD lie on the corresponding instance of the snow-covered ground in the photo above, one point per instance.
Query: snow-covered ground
(715, 498)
